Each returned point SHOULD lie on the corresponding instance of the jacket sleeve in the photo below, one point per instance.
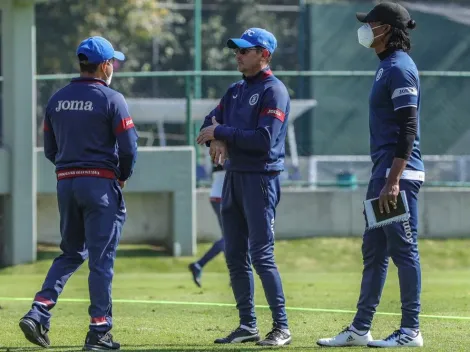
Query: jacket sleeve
(404, 87)
(274, 113)
(126, 135)
(405, 91)
(217, 112)
(50, 143)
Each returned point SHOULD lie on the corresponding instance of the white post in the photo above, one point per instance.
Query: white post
(19, 129)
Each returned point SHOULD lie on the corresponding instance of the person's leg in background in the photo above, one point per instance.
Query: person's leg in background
(104, 214)
(36, 322)
(217, 247)
(402, 246)
(238, 260)
(261, 196)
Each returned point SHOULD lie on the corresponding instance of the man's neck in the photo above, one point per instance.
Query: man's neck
(380, 49)
(386, 53)
(255, 71)
(90, 75)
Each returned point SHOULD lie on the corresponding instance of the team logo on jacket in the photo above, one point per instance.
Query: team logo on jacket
(254, 99)
(379, 74)
(74, 105)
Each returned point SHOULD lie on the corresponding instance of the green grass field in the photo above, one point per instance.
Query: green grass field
(158, 308)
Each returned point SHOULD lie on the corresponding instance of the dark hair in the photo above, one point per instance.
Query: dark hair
(86, 66)
(399, 38)
(260, 49)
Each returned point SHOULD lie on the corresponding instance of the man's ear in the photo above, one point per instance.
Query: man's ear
(265, 53)
(388, 29)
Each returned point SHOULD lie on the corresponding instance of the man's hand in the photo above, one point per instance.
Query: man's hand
(207, 134)
(388, 195)
(122, 184)
(218, 152)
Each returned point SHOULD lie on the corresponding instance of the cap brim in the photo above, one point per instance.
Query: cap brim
(239, 43)
(119, 56)
(362, 17)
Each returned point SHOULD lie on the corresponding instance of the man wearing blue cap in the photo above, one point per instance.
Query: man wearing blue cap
(250, 124)
(90, 138)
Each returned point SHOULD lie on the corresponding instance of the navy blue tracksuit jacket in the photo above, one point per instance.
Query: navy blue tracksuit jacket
(91, 139)
(253, 116)
(253, 113)
(88, 125)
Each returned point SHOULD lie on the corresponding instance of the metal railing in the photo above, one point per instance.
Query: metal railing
(325, 73)
(192, 79)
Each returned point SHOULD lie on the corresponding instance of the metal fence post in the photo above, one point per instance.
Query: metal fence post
(189, 124)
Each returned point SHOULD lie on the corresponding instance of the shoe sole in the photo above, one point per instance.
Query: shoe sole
(288, 342)
(29, 331)
(393, 346)
(98, 348)
(251, 339)
(336, 346)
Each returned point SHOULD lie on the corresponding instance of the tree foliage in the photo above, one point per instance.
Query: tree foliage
(156, 37)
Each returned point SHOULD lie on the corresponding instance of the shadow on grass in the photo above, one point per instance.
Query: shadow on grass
(198, 348)
(165, 347)
(32, 349)
(170, 348)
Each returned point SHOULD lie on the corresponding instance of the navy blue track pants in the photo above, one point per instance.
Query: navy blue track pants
(400, 242)
(249, 203)
(92, 214)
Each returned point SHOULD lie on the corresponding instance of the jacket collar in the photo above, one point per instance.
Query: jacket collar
(88, 80)
(386, 53)
(260, 76)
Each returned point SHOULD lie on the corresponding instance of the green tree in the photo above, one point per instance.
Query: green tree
(155, 37)
(226, 19)
(131, 26)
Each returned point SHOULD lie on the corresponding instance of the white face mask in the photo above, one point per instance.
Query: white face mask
(110, 78)
(365, 35)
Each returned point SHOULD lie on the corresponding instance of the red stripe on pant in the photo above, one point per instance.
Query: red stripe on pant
(98, 321)
(71, 173)
(43, 301)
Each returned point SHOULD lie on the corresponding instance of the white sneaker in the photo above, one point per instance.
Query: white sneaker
(399, 339)
(347, 337)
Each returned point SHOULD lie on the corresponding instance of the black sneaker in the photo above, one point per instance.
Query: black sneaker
(35, 332)
(276, 337)
(103, 342)
(196, 270)
(240, 335)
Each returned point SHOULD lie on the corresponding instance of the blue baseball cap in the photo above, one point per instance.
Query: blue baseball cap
(254, 37)
(97, 50)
